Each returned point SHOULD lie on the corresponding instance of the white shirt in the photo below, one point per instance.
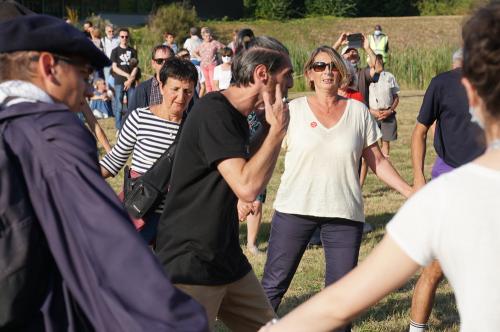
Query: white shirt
(192, 44)
(382, 92)
(456, 219)
(321, 165)
(223, 76)
(109, 44)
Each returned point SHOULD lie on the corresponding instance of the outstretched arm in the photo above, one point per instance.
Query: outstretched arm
(388, 267)
(384, 170)
(94, 126)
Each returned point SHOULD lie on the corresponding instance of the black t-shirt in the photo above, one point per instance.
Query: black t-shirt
(121, 56)
(364, 80)
(198, 233)
(457, 140)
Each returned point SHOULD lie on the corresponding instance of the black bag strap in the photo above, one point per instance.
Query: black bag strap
(158, 175)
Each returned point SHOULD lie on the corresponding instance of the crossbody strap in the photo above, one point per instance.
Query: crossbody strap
(159, 174)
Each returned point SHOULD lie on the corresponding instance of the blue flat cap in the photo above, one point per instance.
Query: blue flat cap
(49, 34)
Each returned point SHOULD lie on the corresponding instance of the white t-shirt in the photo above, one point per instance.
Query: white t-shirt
(456, 219)
(381, 93)
(321, 165)
(223, 76)
(191, 44)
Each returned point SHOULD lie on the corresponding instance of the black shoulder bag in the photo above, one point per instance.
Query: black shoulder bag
(143, 193)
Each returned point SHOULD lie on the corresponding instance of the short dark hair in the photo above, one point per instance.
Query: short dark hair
(179, 69)
(243, 39)
(123, 30)
(161, 47)
(166, 33)
(481, 53)
(226, 51)
(89, 23)
(262, 50)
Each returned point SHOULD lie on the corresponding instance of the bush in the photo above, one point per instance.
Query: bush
(174, 18)
(340, 8)
(274, 9)
(446, 7)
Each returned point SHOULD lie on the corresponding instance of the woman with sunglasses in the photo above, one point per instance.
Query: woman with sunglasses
(326, 138)
(461, 232)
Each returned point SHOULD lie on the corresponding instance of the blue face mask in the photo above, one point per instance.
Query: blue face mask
(475, 118)
(377, 32)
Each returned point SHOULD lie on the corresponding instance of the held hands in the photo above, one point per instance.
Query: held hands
(246, 208)
(277, 115)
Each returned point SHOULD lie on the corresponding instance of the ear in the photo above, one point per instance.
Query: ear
(46, 66)
(260, 74)
(161, 87)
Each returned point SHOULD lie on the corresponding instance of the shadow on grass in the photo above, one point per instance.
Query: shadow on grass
(379, 221)
(290, 303)
(444, 314)
(262, 237)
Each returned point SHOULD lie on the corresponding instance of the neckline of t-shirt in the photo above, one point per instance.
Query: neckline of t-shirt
(315, 119)
(157, 117)
(225, 100)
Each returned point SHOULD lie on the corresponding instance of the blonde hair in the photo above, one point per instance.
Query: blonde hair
(336, 59)
(18, 65)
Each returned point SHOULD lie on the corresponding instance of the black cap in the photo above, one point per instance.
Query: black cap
(49, 34)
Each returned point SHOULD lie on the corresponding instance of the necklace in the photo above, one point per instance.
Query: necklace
(494, 145)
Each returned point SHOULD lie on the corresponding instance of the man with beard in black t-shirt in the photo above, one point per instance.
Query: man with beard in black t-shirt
(198, 236)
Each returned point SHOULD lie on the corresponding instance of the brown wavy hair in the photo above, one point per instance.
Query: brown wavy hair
(481, 36)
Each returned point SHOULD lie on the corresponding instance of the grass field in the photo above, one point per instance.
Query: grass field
(392, 313)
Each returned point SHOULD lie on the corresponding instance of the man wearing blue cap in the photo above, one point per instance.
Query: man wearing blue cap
(70, 259)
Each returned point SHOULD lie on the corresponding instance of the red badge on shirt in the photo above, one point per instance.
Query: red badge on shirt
(313, 124)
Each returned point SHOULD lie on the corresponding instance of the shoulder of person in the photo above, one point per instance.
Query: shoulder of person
(298, 103)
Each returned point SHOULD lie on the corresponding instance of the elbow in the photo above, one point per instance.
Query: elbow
(247, 194)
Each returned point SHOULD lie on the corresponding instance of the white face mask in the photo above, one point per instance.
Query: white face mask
(474, 117)
(377, 32)
(226, 59)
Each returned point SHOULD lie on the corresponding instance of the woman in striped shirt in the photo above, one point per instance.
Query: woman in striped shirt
(149, 132)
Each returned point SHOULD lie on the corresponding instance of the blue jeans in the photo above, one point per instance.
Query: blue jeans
(290, 235)
(117, 103)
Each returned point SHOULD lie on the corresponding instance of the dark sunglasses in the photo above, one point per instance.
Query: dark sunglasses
(159, 61)
(124, 37)
(320, 66)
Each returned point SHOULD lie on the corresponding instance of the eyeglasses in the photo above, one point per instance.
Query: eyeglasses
(124, 37)
(83, 67)
(320, 66)
(159, 61)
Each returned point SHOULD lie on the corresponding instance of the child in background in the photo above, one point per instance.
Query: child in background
(100, 102)
(222, 73)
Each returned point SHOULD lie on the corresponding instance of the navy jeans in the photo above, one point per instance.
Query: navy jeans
(118, 105)
(290, 235)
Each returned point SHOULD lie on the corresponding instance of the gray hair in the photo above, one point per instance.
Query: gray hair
(458, 56)
(262, 50)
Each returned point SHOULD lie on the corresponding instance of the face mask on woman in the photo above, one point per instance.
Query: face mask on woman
(226, 59)
(475, 117)
(377, 33)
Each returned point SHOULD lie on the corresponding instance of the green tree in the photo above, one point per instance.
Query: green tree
(331, 7)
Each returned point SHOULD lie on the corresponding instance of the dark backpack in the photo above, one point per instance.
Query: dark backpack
(25, 260)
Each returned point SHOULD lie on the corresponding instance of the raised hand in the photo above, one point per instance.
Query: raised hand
(277, 115)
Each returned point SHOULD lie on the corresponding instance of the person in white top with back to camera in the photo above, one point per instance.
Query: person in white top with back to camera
(455, 218)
